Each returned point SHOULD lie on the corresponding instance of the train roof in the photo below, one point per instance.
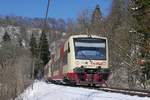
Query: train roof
(92, 36)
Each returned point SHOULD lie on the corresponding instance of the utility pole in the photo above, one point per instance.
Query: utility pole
(45, 29)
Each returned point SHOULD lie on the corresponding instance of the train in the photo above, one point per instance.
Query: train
(81, 59)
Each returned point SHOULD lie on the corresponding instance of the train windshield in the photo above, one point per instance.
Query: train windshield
(90, 48)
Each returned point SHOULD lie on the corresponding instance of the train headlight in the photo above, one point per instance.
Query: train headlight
(86, 63)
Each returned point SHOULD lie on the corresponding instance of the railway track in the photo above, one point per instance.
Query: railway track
(140, 93)
(132, 92)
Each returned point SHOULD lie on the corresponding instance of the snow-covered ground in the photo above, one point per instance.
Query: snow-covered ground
(43, 91)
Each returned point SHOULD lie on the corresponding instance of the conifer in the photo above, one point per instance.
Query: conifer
(6, 37)
(44, 52)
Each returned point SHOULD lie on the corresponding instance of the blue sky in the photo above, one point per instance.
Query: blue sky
(58, 8)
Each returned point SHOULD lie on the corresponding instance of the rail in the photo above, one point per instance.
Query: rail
(126, 91)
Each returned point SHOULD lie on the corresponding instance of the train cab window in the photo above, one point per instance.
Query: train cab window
(68, 48)
(90, 48)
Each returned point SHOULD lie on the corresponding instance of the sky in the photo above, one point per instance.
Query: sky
(65, 9)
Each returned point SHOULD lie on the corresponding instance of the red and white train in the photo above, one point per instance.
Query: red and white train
(83, 59)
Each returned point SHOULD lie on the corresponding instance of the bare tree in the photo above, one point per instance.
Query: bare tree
(70, 27)
(14, 69)
(121, 38)
(83, 22)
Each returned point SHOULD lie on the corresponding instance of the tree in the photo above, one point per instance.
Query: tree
(122, 44)
(44, 52)
(34, 52)
(23, 37)
(6, 37)
(70, 27)
(15, 65)
(97, 22)
(97, 16)
(43, 55)
(140, 10)
(88, 24)
(83, 23)
(33, 46)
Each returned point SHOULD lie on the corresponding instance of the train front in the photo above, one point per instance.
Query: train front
(91, 60)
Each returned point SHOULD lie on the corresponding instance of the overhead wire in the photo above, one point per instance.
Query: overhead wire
(45, 22)
(46, 13)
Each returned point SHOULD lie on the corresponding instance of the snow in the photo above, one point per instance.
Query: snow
(43, 91)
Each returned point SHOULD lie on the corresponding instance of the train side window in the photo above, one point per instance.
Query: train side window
(65, 58)
(68, 48)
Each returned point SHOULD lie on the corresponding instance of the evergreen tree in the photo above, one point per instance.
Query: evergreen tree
(44, 48)
(97, 22)
(96, 16)
(33, 46)
(6, 37)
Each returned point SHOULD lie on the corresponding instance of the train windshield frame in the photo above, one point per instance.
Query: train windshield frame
(90, 48)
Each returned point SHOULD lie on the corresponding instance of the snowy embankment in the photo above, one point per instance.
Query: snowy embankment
(43, 91)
